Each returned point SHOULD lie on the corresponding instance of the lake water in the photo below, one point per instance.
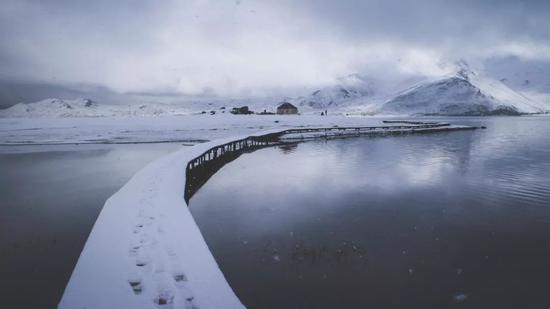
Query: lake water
(445, 220)
(50, 197)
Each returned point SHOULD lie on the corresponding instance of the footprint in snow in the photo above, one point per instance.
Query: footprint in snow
(179, 277)
(137, 228)
(164, 299)
(143, 261)
(177, 272)
(188, 297)
(134, 250)
(135, 283)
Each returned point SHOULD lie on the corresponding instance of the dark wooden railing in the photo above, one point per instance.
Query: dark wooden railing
(201, 168)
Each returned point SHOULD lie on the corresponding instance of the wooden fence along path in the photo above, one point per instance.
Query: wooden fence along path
(201, 168)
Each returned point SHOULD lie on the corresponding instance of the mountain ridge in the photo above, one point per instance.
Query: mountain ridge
(466, 92)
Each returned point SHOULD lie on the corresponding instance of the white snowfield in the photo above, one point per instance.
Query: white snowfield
(81, 107)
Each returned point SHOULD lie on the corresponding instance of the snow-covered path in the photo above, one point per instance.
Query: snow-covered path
(145, 249)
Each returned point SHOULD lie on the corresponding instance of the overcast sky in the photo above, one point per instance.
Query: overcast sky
(252, 47)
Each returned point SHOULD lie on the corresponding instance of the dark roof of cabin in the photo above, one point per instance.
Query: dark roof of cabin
(286, 105)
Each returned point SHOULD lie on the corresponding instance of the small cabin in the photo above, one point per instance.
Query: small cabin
(286, 109)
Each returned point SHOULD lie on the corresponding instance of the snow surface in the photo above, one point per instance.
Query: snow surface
(60, 108)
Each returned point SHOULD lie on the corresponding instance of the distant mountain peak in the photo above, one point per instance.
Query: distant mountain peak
(464, 70)
(347, 90)
(465, 93)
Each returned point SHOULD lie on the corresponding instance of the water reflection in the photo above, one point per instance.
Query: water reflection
(428, 221)
(288, 148)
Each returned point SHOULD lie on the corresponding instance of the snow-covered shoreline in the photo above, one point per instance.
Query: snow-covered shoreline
(191, 129)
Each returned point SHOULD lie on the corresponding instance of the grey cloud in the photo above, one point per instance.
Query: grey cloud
(463, 23)
(227, 47)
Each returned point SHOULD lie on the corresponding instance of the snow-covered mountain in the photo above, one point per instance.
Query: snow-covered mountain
(528, 76)
(354, 94)
(465, 93)
(349, 89)
(60, 108)
(520, 74)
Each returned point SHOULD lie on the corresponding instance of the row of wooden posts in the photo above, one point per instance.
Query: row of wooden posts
(201, 168)
(234, 146)
(273, 138)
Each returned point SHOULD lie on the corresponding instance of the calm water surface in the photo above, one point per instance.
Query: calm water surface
(459, 219)
(49, 200)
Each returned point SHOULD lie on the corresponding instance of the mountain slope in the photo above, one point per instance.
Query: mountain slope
(355, 94)
(466, 93)
(60, 108)
(349, 89)
(526, 75)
